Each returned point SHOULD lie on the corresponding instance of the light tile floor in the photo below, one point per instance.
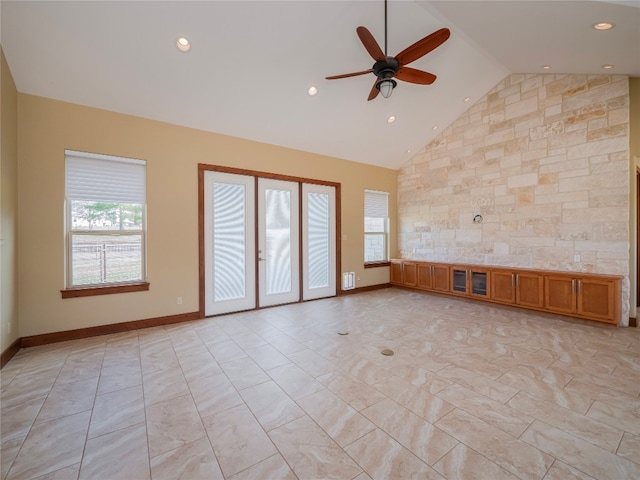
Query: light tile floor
(474, 391)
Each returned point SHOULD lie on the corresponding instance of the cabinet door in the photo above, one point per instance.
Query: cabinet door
(409, 274)
(479, 283)
(459, 281)
(424, 276)
(503, 287)
(596, 299)
(530, 290)
(396, 272)
(440, 278)
(560, 294)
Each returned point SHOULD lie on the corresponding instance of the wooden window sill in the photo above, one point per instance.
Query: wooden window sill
(377, 264)
(106, 290)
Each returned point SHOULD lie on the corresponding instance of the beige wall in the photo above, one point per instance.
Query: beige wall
(47, 127)
(634, 147)
(8, 207)
(545, 160)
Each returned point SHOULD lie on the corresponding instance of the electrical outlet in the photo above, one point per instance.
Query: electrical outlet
(179, 301)
(576, 258)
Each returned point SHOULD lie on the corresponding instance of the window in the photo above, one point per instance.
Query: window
(105, 220)
(376, 220)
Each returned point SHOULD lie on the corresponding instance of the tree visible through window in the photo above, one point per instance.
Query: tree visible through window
(105, 220)
(376, 219)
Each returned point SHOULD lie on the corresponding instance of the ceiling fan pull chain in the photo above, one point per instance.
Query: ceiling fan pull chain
(385, 28)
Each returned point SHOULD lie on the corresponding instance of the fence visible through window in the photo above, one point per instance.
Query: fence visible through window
(106, 259)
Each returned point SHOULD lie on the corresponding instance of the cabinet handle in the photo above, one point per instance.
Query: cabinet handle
(579, 285)
(573, 286)
(512, 275)
(432, 270)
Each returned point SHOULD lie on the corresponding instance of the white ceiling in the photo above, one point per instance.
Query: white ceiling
(252, 61)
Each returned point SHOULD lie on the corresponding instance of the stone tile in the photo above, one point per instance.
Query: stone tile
(312, 363)
(630, 447)
(383, 458)
(336, 417)
(238, 440)
(294, 381)
(270, 405)
(484, 386)
(619, 413)
(119, 454)
(162, 385)
(418, 400)
(67, 399)
(580, 454)
(311, 453)
(244, 373)
(116, 410)
(562, 471)
(353, 391)
(273, 467)
(267, 357)
(68, 473)
(519, 458)
(172, 424)
(427, 442)
(51, 446)
(16, 421)
(120, 376)
(199, 365)
(226, 351)
(592, 431)
(494, 413)
(462, 463)
(213, 394)
(191, 461)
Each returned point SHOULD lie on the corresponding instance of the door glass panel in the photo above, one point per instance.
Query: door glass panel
(318, 225)
(278, 240)
(229, 241)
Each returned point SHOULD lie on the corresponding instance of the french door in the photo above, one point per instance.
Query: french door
(256, 248)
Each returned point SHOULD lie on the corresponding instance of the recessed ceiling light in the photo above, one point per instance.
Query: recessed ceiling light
(408, 150)
(603, 26)
(466, 99)
(312, 91)
(607, 67)
(546, 67)
(391, 119)
(183, 44)
(435, 127)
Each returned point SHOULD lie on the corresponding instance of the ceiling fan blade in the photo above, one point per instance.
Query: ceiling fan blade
(370, 44)
(412, 75)
(374, 91)
(347, 75)
(424, 46)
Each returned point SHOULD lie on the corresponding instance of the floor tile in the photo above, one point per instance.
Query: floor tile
(562, 471)
(312, 363)
(383, 458)
(120, 454)
(340, 421)
(191, 461)
(630, 447)
(483, 385)
(575, 452)
(311, 453)
(171, 424)
(119, 376)
(270, 405)
(267, 357)
(238, 440)
(462, 463)
(162, 385)
(67, 473)
(519, 458)
(244, 373)
(51, 446)
(621, 414)
(427, 442)
(116, 410)
(213, 394)
(273, 467)
(294, 381)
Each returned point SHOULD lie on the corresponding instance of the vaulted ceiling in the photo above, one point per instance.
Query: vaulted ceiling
(252, 62)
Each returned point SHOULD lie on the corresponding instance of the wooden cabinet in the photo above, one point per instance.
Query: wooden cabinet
(422, 275)
(590, 296)
(470, 281)
(517, 287)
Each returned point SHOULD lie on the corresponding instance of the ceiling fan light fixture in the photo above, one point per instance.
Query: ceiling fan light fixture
(386, 87)
(603, 25)
(183, 44)
(312, 91)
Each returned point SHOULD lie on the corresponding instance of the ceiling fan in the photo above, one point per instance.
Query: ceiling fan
(386, 67)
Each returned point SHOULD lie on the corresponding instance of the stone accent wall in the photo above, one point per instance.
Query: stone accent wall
(545, 160)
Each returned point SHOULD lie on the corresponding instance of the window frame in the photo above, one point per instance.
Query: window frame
(71, 290)
(385, 233)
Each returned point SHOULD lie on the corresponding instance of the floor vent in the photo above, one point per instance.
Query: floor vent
(348, 280)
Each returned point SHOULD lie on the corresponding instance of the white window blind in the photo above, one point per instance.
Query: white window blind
(376, 204)
(103, 178)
